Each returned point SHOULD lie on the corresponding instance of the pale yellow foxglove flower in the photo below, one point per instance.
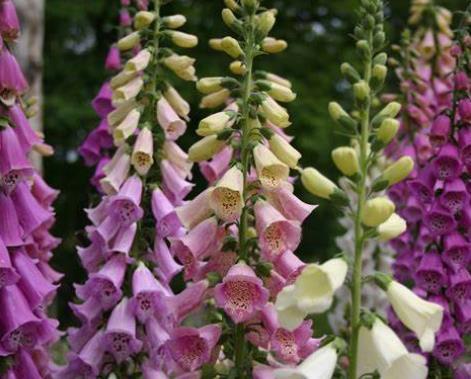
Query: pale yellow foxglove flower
(226, 198)
(270, 170)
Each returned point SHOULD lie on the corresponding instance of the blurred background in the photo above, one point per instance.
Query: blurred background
(77, 37)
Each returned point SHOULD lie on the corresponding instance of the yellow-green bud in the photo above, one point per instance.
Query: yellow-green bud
(349, 72)
(346, 160)
(284, 151)
(205, 148)
(175, 21)
(339, 115)
(377, 211)
(273, 46)
(215, 99)
(266, 22)
(143, 19)
(379, 72)
(237, 68)
(215, 44)
(319, 185)
(387, 130)
(250, 5)
(389, 111)
(129, 41)
(361, 91)
(184, 40)
(228, 17)
(209, 85)
(398, 171)
(364, 49)
(231, 4)
(231, 47)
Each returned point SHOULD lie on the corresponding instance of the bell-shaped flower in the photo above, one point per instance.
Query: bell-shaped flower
(424, 318)
(127, 91)
(10, 229)
(274, 112)
(8, 274)
(440, 131)
(226, 198)
(168, 223)
(175, 187)
(381, 350)
(143, 153)
(191, 348)
(120, 334)
(457, 252)
(117, 116)
(440, 220)
(13, 163)
(270, 170)
(447, 165)
(178, 103)
(454, 196)
(459, 289)
(126, 128)
(284, 151)
(286, 202)
(277, 234)
(9, 23)
(167, 267)
(215, 123)
(213, 170)
(431, 274)
(241, 294)
(113, 59)
(178, 158)
(196, 210)
(12, 80)
(393, 227)
(449, 346)
(205, 148)
(138, 62)
(26, 135)
(377, 211)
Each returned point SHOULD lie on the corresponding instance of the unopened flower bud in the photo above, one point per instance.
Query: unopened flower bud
(266, 22)
(274, 112)
(378, 76)
(129, 41)
(277, 79)
(184, 40)
(387, 130)
(231, 47)
(215, 99)
(339, 115)
(364, 49)
(361, 91)
(395, 173)
(284, 151)
(273, 45)
(209, 85)
(277, 91)
(377, 211)
(215, 123)
(143, 19)
(215, 44)
(174, 22)
(319, 185)
(238, 68)
(178, 103)
(393, 227)
(389, 111)
(232, 5)
(249, 5)
(349, 72)
(228, 17)
(205, 148)
(380, 58)
(346, 160)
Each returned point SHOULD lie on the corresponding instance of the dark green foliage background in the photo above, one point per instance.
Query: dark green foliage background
(78, 34)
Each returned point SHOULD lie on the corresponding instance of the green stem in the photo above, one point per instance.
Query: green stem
(359, 232)
(240, 350)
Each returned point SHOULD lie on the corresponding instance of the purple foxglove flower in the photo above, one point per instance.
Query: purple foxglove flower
(142, 4)
(417, 115)
(12, 80)
(465, 145)
(463, 316)
(460, 286)
(289, 266)
(447, 165)
(172, 125)
(178, 158)
(9, 24)
(88, 312)
(19, 327)
(402, 267)
(439, 220)
(413, 211)
(168, 222)
(125, 18)
(196, 210)
(219, 263)
(30, 213)
(441, 129)
(148, 293)
(37, 290)
(116, 171)
(8, 274)
(99, 174)
(27, 137)
(120, 335)
(241, 294)
(454, 196)
(277, 234)
(10, 229)
(448, 346)
(422, 186)
(25, 367)
(43, 193)
(105, 285)
(464, 109)
(289, 205)
(190, 248)
(173, 184)
(457, 252)
(125, 204)
(87, 363)
(188, 300)
(167, 267)
(463, 371)
(431, 274)
(90, 150)
(462, 81)
(397, 193)
(156, 337)
(113, 59)
(190, 348)
(92, 256)
(213, 170)
(423, 147)
(102, 101)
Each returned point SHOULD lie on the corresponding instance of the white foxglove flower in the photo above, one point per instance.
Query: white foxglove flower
(381, 350)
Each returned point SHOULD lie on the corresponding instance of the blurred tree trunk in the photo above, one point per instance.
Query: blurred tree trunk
(29, 51)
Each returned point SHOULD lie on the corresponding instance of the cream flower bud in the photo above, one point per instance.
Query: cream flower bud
(389, 111)
(317, 184)
(274, 112)
(205, 148)
(270, 170)
(209, 85)
(231, 47)
(377, 211)
(339, 115)
(215, 43)
(175, 21)
(228, 17)
(346, 160)
(116, 116)
(215, 123)
(284, 151)
(387, 130)
(188, 74)
(122, 78)
(379, 73)
(423, 317)
(226, 198)
(273, 45)
(232, 5)
(128, 91)
(178, 103)
(139, 62)
(397, 172)
(277, 79)
(266, 21)
(393, 227)
(278, 91)
(215, 99)
(177, 62)
(129, 41)
(143, 19)
(361, 90)
(184, 40)
(143, 153)
(237, 68)
(126, 128)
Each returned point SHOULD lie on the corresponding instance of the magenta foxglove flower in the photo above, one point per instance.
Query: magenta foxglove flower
(241, 293)
(9, 24)
(113, 59)
(12, 80)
